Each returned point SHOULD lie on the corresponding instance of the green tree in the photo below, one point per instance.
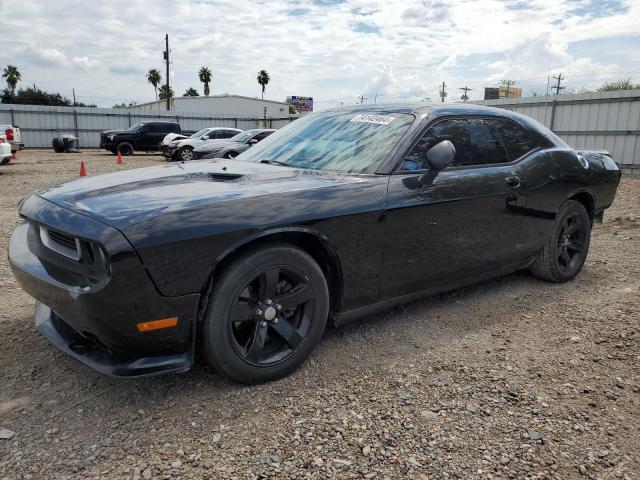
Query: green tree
(191, 92)
(618, 85)
(263, 80)
(154, 78)
(35, 96)
(12, 75)
(124, 105)
(205, 77)
(165, 92)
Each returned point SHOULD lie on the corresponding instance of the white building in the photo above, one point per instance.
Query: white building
(225, 105)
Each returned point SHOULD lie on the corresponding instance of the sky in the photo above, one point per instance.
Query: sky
(332, 50)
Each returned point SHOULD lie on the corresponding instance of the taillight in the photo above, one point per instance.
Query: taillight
(9, 133)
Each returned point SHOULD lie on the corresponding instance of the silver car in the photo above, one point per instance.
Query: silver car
(232, 147)
(182, 148)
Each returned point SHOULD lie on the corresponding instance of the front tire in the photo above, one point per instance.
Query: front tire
(185, 154)
(566, 249)
(125, 148)
(266, 314)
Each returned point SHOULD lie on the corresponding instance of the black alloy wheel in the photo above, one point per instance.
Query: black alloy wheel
(267, 312)
(272, 315)
(570, 243)
(565, 250)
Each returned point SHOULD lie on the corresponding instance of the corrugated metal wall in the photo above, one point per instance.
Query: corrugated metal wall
(40, 124)
(606, 120)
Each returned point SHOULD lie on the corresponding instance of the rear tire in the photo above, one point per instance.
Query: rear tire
(245, 336)
(566, 249)
(5, 160)
(125, 148)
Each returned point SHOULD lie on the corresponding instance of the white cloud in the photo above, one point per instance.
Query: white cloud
(84, 62)
(104, 49)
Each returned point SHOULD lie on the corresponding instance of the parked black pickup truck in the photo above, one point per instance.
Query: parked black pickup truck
(141, 136)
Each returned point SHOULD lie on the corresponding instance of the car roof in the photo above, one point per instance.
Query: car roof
(418, 108)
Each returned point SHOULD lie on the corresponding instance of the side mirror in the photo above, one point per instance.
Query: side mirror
(253, 141)
(205, 137)
(441, 155)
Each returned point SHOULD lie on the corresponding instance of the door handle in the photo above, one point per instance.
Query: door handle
(512, 182)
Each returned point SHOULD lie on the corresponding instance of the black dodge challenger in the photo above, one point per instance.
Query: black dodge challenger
(340, 214)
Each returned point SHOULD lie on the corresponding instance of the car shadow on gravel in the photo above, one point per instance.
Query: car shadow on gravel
(367, 344)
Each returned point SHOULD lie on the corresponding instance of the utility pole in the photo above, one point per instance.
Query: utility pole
(558, 87)
(547, 94)
(74, 96)
(375, 99)
(166, 59)
(362, 98)
(508, 84)
(443, 94)
(464, 96)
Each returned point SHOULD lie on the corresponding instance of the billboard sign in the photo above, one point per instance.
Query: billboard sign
(301, 104)
(514, 92)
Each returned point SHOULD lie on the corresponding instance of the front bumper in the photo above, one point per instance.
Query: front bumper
(92, 313)
(170, 153)
(106, 144)
(92, 353)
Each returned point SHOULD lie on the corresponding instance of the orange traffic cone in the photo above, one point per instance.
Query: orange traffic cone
(119, 161)
(83, 169)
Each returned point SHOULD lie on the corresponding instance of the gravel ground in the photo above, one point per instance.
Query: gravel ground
(513, 378)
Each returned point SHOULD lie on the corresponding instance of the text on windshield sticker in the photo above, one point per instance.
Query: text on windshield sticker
(372, 118)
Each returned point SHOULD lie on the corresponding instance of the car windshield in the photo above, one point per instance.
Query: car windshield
(336, 141)
(243, 137)
(200, 133)
(135, 127)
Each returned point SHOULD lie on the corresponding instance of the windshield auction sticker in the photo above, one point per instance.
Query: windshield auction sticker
(372, 118)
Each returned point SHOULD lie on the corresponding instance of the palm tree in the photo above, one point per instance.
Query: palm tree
(166, 91)
(263, 80)
(205, 77)
(154, 78)
(191, 92)
(13, 76)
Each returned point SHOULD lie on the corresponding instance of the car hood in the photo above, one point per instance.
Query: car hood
(193, 142)
(170, 137)
(211, 145)
(111, 132)
(124, 198)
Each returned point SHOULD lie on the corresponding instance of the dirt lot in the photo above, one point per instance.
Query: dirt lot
(513, 378)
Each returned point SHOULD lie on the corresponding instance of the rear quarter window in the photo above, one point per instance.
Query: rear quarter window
(513, 138)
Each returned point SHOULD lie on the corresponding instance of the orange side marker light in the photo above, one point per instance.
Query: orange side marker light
(158, 324)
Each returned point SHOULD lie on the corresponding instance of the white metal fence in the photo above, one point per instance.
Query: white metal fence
(40, 124)
(604, 120)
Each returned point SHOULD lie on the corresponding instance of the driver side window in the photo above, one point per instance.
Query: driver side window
(471, 137)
